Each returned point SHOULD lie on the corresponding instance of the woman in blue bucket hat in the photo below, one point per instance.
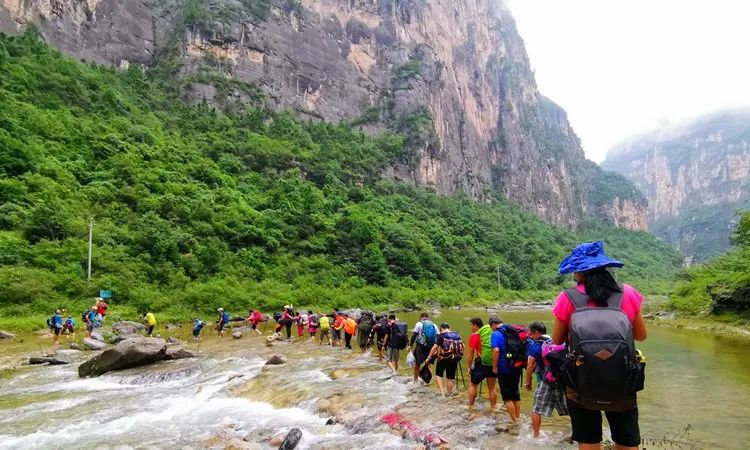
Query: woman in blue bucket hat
(597, 292)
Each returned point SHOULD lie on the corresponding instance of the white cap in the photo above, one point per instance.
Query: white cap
(220, 309)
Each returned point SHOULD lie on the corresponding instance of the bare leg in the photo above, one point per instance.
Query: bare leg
(439, 381)
(451, 384)
(517, 406)
(622, 447)
(593, 446)
(536, 423)
(415, 371)
(492, 388)
(472, 395)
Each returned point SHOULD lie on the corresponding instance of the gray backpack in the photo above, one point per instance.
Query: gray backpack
(603, 366)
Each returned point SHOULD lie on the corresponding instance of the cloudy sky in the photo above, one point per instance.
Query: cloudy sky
(620, 67)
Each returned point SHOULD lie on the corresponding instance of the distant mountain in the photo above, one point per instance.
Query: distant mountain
(695, 177)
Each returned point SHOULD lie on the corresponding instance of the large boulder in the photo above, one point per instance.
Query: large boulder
(93, 344)
(126, 354)
(177, 353)
(128, 327)
(276, 360)
(6, 335)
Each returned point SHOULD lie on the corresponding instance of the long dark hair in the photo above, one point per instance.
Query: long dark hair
(600, 285)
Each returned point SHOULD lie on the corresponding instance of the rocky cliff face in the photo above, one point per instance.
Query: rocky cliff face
(452, 77)
(695, 177)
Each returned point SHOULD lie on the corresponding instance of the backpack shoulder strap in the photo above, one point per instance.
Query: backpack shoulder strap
(615, 300)
(579, 300)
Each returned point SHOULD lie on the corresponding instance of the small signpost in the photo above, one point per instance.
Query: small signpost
(105, 294)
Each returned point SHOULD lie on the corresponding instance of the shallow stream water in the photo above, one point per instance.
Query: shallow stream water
(697, 396)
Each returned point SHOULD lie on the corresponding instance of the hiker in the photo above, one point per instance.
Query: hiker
(89, 317)
(150, 320)
(338, 324)
(222, 321)
(197, 327)
(424, 334)
(286, 320)
(504, 364)
(549, 394)
(483, 368)
(377, 334)
(394, 342)
(350, 329)
(300, 321)
(597, 309)
(56, 325)
(364, 327)
(312, 324)
(70, 327)
(325, 328)
(255, 317)
(101, 310)
(449, 350)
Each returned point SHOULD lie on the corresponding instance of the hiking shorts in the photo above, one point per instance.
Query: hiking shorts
(447, 366)
(57, 330)
(587, 425)
(220, 326)
(479, 372)
(392, 354)
(336, 334)
(325, 334)
(548, 398)
(509, 382)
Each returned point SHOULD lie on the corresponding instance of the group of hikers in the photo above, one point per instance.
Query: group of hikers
(588, 365)
(92, 318)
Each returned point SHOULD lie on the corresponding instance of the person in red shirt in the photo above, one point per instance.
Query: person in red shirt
(338, 325)
(255, 318)
(101, 310)
(475, 351)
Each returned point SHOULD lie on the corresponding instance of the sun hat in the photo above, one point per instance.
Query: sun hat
(220, 309)
(587, 256)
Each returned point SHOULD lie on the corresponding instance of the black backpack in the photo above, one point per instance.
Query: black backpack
(516, 345)
(398, 336)
(603, 367)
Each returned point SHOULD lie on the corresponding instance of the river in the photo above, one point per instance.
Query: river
(697, 396)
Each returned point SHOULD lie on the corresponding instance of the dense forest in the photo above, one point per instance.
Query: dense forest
(195, 208)
(722, 284)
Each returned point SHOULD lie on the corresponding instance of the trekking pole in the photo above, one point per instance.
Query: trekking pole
(461, 370)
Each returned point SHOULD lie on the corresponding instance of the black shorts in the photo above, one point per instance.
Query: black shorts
(220, 326)
(479, 372)
(57, 331)
(587, 425)
(509, 382)
(447, 366)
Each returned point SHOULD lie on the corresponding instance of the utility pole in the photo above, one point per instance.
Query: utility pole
(91, 236)
(497, 268)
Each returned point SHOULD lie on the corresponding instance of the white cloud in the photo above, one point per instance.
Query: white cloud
(621, 67)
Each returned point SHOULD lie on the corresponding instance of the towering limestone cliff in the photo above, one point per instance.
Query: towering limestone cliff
(453, 77)
(695, 178)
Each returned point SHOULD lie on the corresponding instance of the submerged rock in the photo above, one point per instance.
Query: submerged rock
(93, 344)
(6, 335)
(47, 360)
(291, 440)
(129, 353)
(276, 360)
(237, 335)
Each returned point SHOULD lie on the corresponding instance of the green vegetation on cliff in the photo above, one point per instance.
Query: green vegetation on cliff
(722, 284)
(196, 208)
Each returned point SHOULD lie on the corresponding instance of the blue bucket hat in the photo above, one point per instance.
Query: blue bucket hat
(587, 256)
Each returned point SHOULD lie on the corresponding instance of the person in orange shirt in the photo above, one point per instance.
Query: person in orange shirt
(350, 329)
(338, 324)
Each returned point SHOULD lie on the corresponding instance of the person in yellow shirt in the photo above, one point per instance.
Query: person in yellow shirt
(150, 320)
(325, 328)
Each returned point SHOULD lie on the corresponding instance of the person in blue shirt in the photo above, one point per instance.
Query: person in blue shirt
(57, 325)
(90, 319)
(197, 327)
(509, 377)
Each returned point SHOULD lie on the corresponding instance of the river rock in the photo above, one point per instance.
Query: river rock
(237, 335)
(291, 440)
(277, 440)
(96, 335)
(93, 344)
(171, 326)
(127, 327)
(6, 335)
(47, 360)
(68, 353)
(177, 353)
(172, 340)
(74, 346)
(128, 353)
(276, 360)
